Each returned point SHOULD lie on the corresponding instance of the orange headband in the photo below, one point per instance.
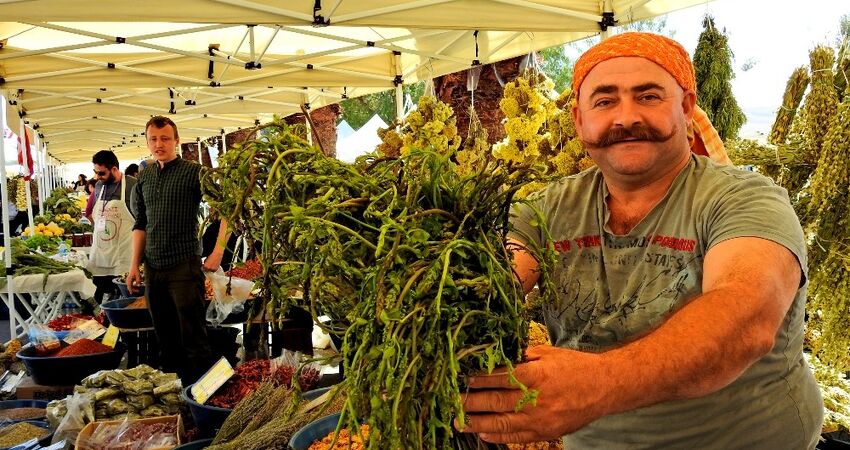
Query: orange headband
(665, 52)
(673, 58)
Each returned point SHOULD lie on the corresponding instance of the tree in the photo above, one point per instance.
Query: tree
(714, 73)
(558, 66)
(357, 111)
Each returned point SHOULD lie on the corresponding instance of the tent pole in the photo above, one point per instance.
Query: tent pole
(39, 158)
(399, 87)
(399, 102)
(7, 240)
(27, 174)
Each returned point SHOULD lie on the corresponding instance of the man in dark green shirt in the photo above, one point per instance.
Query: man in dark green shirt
(167, 198)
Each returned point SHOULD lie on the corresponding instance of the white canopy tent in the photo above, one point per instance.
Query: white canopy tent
(87, 75)
(364, 140)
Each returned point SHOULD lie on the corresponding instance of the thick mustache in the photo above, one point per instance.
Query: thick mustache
(635, 133)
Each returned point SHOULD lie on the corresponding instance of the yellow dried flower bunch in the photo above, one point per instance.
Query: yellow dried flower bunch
(540, 129)
(474, 154)
(527, 107)
(432, 126)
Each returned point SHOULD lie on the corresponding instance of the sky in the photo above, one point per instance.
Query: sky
(776, 35)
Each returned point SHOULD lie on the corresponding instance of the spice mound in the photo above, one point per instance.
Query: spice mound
(342, 442)
(21, 413)
(83, 347)
(19, 433)
(139, 303)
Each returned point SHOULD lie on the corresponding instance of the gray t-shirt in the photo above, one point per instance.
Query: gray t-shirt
(614, 288)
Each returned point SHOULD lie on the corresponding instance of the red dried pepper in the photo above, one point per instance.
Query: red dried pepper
(249, 270)
(248, 376)
(70, 321)
(83, 347)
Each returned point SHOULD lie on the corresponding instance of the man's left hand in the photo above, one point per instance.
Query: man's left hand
(213, 261)
(572, 392)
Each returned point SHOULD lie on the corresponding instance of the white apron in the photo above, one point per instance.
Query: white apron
(112, 243)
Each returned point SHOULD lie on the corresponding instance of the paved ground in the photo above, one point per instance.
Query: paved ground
(4, 331)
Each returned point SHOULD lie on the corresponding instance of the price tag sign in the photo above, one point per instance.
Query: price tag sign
(218, 374)
(111, 336)
(89, 329)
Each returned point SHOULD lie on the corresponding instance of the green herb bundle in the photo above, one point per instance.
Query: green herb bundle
(409, 259)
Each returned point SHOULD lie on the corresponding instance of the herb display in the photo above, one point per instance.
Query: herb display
(26, 262)
(405, 254)
(269, 421)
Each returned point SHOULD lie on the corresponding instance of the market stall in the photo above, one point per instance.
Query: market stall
(43, 299)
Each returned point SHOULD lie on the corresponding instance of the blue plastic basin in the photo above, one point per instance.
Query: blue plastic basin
(195, 445)
(12, 404)
(314, 431)
(208, 418)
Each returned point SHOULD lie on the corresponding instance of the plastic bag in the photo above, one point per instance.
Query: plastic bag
(44, 339)
(80, 411)
(230, 294)
(140, 402)
(137, 387)
(118, 406)
(140, 371)
(128, 435)
(320, 338)
(288, 364)
(55, 411)
(174, 386)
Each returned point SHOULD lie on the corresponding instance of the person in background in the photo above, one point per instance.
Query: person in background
(80, 184)
(132, 170)
(680, 281)
(113, 221)
(90, 185)
(165, 236)
(14, 220)
(145, 163)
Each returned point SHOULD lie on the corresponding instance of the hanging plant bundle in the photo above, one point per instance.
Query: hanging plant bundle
(829, 254)
(794, 91)
(408, 257)
(821, 104)
(713, 70)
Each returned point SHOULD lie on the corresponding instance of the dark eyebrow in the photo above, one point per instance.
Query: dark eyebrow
(604, 89)
(648, 86)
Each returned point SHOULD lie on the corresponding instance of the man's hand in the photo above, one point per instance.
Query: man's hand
(571, 389)
(213, 261)
(134, 279)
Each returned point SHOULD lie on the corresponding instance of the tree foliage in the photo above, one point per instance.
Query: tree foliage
(558, 66)
(357, 111)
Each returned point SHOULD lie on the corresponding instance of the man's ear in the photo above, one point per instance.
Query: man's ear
(577, 120)
(689, 103)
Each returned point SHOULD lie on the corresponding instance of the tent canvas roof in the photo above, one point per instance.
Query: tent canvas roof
(89, 74)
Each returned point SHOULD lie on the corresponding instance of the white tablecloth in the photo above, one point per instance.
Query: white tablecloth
(71, 281)
(45, 299)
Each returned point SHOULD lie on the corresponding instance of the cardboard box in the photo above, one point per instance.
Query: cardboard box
(89, 429)
(28, 390)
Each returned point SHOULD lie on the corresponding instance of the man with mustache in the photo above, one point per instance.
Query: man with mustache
(112, 240)
(690, 273)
